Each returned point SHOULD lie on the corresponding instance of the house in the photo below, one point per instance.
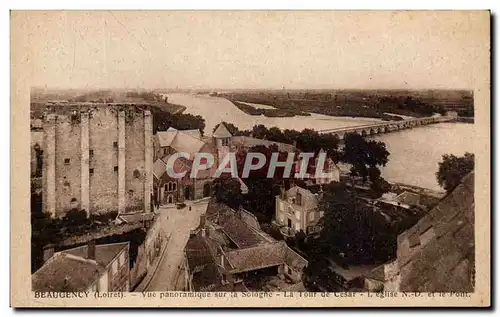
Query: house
(228, 251)
(297, 210)
(95, 268)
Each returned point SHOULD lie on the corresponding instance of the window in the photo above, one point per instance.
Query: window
(169, 186)
(91, 153)
(115, 144)
(66, 161)
(299, 199)
(174, 186)
(137, 174)
(166, 187)
(225, 142)
(91, 171)
(115, 168)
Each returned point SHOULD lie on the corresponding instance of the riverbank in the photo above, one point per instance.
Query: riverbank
(248, 109)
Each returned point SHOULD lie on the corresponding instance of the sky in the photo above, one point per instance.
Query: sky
(253, 49)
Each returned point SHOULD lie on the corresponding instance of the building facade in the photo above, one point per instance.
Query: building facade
(297, 210)
(97, 158)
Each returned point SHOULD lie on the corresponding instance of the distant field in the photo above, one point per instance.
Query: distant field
(356, 103)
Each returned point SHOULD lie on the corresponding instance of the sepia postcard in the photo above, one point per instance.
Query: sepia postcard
(250, 158)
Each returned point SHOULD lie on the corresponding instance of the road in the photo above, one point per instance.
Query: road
(178, 224)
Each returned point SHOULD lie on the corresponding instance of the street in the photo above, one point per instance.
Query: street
(177, 223)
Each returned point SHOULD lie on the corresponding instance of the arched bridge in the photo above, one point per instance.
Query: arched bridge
(386, 126)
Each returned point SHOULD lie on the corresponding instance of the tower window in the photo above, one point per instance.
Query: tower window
(137, 174)
(91, 153)
(115, 144)
(91, 171)
(66, 161)
(115, 168)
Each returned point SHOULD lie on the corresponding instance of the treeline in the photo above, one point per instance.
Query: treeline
(408, 106)
(307, 140)
(350, 105)
(147, 96)
(162, 120)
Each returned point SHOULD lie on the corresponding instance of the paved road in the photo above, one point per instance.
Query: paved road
(178, 223)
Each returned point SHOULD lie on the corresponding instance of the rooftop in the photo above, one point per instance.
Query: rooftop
(259, 257)
(66, 273)
(70, 270)
(437, 254)
(222, 132)
(104, 253)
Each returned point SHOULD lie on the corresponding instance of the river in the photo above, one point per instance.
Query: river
(414, 153)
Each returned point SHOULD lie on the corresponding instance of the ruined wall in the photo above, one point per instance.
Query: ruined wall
(67, 163)
(96, 161)
(135, 174)
(103, 127)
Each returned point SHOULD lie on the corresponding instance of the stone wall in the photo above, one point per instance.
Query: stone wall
(97, 158)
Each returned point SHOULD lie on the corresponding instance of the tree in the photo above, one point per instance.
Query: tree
(366, 157)
(352, 232)
(163, 120)
(228, 191)
(452, 169)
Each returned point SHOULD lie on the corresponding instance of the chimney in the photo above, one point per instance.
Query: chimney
(203, 221)
(91, 250)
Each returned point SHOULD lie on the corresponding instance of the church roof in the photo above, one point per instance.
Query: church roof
(222, 132)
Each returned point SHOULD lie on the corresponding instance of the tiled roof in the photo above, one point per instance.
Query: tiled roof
(187, 143)
(234, 227)
(437, 254)
(221, 132)
(195, 133)
(165, 138)
(258, 257)
(104, 253)
(180, 165)
(66, 273)
(159, 168)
